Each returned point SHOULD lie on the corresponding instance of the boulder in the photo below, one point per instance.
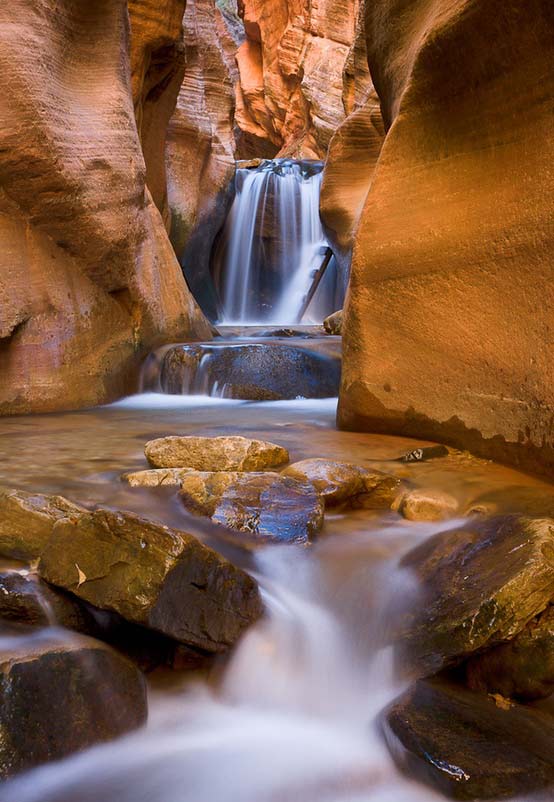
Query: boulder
(267, 505)
(152, 575)
(27, 520)
(343, 482)
(333, 323)
(521, 669)
(467, 747)
(427, 505)
(157, 477)
(478, 586)
(61, 693)
(214, 453)
(26, 600)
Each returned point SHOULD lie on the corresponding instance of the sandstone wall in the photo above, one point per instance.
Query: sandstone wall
(88, 279)
(449, 323)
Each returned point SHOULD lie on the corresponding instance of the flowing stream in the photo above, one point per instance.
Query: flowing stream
(272, 245)
(293, 716)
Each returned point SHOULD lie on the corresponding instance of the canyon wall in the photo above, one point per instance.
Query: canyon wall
(449, 324)
(88, 279)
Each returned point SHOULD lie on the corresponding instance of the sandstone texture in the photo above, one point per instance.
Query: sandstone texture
(157, 477)
(214, 453)
(465, 746)
(333, 323)
(27, 521)
(447, 323)
(88, 280)
(267, 505)
(151, 575)
(478, 587)
(344, 483)
(82, 693)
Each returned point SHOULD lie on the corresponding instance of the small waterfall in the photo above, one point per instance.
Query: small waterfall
(272, 245)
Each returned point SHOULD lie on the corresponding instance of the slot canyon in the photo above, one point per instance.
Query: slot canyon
(276, 400)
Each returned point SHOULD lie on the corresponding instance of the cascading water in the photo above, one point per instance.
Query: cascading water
(272, 246)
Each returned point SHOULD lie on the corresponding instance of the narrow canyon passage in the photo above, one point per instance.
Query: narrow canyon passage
(276, 401)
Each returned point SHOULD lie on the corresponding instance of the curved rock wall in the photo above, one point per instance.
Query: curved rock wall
(88, 279)
(448, 324)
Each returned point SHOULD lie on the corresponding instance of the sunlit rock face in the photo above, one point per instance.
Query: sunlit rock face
(448, 323)
(295, 69)
(88, 279)
(201, 143)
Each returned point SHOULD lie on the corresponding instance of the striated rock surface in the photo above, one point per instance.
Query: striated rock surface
(267, 505)
(154, 576)
(447, 323)
(88, 279)
(82, 692)
(214, 453)
(465, 746)
(200, 141)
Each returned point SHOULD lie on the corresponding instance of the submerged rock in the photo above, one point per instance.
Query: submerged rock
(60, 693)
(427, 505)
(479, 586)
(522, 668)
(467, 747)
(27, 520)
(152, 575)
(267, 505)
(157, 477)
(343, 482)
(215, 453)
(333, 323)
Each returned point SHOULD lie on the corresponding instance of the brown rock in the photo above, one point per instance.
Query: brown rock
(427, 505)
(82, 693)
(267, 505)
(27, 520)
(479, 586)
(467, 747)
(214, 453)
(522, 668)
(158, 477)
(333, 323)
(88, 279)
(451, 278)
(152, 575)
(343, 482)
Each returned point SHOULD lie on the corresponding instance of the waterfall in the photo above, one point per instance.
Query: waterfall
(272, 246)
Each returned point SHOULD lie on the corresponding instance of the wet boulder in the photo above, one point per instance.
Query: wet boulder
(152, 575)
(346, 483)
(427, 505)
(60, 693)
(156, 477)
(255, 371)
(523, 668)
(269, 506)
(215, 453)
(477, 586)
(333, 323)
(466, 746)
(27, 520)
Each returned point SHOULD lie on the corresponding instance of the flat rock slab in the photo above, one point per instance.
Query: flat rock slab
(214, 453)
(27, 520)
(466, 746)
(343, 482)
(152, 575)
(60, 694)
(479, 585)
(269, 506)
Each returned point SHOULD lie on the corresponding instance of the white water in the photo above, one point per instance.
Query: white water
(274, 244)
